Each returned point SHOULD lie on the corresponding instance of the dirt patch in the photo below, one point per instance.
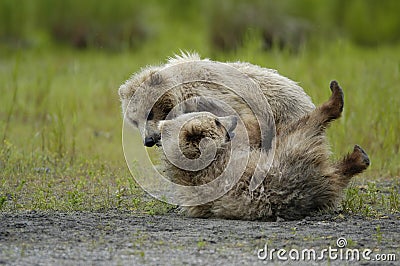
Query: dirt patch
(119, 238)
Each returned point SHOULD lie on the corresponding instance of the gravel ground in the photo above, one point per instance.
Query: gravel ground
(121, 238)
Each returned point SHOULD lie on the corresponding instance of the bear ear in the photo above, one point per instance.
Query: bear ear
(125, 91)
(230, 123)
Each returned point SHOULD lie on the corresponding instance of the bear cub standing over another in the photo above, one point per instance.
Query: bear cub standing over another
(287, 100)
(300, 181)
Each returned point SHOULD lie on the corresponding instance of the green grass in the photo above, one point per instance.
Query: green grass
(60, 120)
(127, 24)
(372, 200)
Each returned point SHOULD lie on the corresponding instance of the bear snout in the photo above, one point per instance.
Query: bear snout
(150, 141)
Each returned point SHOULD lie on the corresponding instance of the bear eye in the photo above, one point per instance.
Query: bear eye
(133, 122)
(217, 123)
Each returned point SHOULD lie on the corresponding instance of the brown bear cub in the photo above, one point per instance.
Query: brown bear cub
(301, 180)
(205, 78)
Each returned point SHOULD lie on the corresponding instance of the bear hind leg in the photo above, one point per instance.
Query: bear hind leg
(316, 122)
(333, 108)
(352, 164)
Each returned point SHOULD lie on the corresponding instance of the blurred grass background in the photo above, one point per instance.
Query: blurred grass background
(61, 63)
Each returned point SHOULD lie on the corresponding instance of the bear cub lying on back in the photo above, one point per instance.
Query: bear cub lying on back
(300, 181)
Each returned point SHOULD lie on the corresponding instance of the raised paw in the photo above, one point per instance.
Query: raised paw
(362, 156)
(336, 101)
(334, 85)
(354, 163)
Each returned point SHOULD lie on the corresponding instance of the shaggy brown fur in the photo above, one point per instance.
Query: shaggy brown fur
(301, 180)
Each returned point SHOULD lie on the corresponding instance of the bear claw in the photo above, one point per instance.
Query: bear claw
(363, 155)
